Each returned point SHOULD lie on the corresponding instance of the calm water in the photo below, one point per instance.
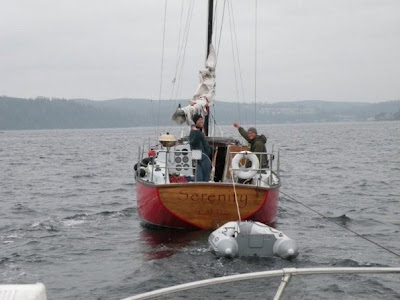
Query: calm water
(68, 215)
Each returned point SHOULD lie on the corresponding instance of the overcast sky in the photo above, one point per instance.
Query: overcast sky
(336, 50)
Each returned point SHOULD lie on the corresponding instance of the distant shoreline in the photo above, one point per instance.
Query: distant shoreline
(3, 131)
(43, 113)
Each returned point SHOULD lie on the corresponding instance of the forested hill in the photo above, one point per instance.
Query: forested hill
(43, 113)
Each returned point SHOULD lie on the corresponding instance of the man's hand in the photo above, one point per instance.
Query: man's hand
(236, 124)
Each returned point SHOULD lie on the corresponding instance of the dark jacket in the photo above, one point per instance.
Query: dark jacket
(198, 141)
(256, 145)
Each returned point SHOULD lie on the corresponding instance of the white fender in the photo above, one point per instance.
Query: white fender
(245, 173)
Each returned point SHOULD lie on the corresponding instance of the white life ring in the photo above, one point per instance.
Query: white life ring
(245, 173)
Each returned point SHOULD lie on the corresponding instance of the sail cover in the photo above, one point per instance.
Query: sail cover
(204, 94)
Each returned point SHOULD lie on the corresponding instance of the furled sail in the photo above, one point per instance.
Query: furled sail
(204, 94)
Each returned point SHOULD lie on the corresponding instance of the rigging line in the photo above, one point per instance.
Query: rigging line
(183, 45)
(237, 55)
(215, 21)
(342, 226)
(178, 90)
(234, 60)
(188, 24)
(255, 67)
(152, 114)
(177, 52)
(234, 190)
(182, 35)
(162, 63)
(220, 33)
(181, 52)
(213, 118)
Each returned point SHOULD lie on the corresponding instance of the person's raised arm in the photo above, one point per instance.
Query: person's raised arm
(242, 132)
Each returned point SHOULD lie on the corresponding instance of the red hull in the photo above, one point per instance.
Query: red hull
(153, 211)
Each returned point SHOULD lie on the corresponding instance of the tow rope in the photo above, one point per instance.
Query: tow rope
(340, 225)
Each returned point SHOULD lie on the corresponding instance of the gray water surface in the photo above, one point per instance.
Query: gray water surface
(68, 215)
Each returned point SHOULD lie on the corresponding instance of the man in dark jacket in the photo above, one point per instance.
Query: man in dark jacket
(198, 141)
(257, 143)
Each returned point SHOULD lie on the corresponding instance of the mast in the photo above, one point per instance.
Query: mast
(209, 41)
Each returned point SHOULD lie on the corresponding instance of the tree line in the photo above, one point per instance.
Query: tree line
(55, 113)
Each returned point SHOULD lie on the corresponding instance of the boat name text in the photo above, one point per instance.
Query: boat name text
(213, 198)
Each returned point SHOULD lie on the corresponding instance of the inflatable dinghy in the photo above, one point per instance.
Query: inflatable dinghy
(248, 238)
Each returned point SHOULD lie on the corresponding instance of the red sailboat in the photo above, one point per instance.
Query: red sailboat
(168, 194)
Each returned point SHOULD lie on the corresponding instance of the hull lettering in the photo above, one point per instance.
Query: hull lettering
(213, 198)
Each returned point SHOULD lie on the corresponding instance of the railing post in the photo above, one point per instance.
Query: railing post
(166, 165)
(152, 169)
(270, 168)
(285, 281)
(194, 164)
(277, 163)
(271, 158)
(138, 163)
